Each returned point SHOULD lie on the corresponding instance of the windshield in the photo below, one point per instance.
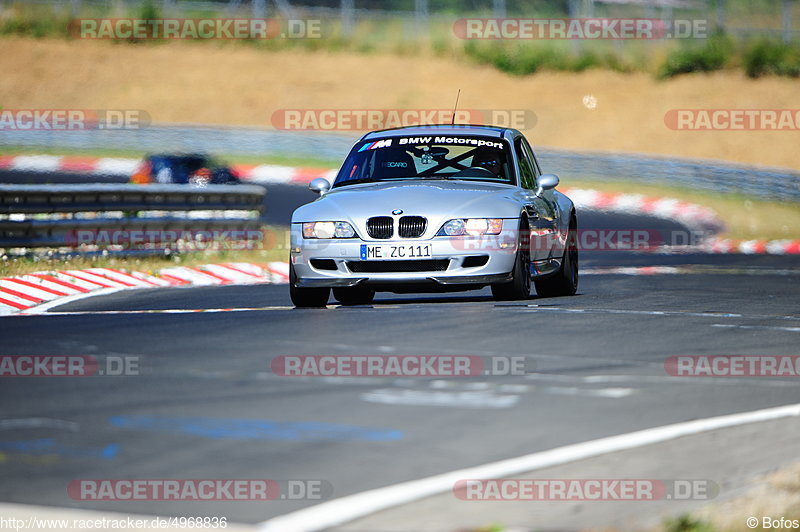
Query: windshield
(429, 157)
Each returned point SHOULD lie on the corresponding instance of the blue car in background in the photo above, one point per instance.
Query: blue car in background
(193, 169)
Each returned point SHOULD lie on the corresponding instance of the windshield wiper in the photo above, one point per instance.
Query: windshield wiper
(357, 181)
(385, 179)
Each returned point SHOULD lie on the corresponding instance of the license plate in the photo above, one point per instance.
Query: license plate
(396, 251)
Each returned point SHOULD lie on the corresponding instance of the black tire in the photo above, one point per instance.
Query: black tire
(520, 285)
(565, 281)
(356, 295)
(306, 297)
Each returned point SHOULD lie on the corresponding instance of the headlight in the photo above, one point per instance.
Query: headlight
(328, 230)
(472, 227)
(453, 228)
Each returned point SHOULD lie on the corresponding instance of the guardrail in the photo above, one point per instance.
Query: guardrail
(710, 175)
(128, 217)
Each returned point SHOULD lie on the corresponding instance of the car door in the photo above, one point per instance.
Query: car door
(558, 230)
(541, 214)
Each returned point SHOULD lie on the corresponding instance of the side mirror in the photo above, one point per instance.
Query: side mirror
(319, 185)
(547, 182)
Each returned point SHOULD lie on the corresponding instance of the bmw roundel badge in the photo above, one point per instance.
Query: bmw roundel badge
(397, 211)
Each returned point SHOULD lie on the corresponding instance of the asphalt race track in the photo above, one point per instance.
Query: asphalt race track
(207, 405)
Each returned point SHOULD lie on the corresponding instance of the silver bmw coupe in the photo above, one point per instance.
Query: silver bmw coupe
(435, 208)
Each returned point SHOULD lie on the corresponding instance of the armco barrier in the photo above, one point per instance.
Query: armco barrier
(71, 215)
(717, 176)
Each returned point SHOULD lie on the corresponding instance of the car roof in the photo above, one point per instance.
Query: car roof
(443, 129)
(177, 156)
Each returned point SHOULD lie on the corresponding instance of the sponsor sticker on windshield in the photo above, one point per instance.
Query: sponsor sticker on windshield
(383, 143)
(464, 141)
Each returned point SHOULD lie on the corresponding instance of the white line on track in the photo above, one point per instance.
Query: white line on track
(655, 379)
(348, 508)
(42, 312)
(38, 423)
(460, 399)
(717, 315)
(687, 270)
(757, 327)
(607, 393)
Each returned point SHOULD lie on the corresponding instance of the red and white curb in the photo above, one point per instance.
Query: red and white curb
(693, 216)
(40, 291)
(112, 166)
(753, 247)
(67, 163)
(724, 246)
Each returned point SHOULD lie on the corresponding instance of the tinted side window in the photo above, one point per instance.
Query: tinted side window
(526, 172)
(534, 163)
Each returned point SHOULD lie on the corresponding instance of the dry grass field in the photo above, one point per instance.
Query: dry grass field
(221, 83)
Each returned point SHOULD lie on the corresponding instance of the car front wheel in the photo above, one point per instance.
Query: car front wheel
(520, 285)
(306, 297)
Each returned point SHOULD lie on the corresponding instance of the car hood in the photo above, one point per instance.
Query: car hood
(438, 200)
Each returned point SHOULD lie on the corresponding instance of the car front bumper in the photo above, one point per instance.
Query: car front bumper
(454, 262)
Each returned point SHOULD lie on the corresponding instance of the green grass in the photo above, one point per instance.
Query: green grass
(715, 53)
(764, 57)
(687, 523)
(525, 58)
(37, 21)
(757, 58)
(664, 58)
